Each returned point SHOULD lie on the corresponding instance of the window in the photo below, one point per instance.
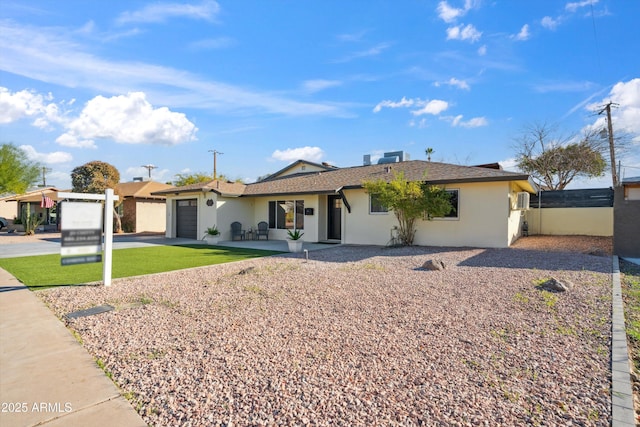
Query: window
(286, 214)
(375, 207)
(454, 196)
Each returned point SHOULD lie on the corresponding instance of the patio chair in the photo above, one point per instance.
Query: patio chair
(263, 230)
(236, 230)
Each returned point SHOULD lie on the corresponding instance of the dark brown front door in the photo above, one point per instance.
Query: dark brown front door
(334, 231)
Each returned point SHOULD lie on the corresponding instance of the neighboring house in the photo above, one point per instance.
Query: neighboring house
(15, 205)
(140, 210)
(330, 204)
(626, 211)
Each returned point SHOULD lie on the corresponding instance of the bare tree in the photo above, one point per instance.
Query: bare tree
(554, 160)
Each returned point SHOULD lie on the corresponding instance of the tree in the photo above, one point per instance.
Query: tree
(95, 177)
(198, 177)
(183, 179)
(17, 172)
(554, 161)
(429, 151)
(410, 200)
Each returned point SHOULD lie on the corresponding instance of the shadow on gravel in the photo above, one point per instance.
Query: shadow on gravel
(541, 260)
(479, 257)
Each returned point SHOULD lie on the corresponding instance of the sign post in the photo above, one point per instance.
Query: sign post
(81, 227)
(108, 236)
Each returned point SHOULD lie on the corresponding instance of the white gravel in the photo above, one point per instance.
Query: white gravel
(359, 336)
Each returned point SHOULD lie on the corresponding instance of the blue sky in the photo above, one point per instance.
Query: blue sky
(269, 82)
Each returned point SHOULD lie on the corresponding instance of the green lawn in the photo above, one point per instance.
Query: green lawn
(44, 271)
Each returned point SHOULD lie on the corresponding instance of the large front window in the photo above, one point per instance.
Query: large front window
(286, 214)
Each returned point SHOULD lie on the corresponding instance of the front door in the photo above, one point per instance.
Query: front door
(334, 231)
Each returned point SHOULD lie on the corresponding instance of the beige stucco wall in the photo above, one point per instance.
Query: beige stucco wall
(483, 217)
(150, 216)
(230, 209)
(571, 221)
(8, 210)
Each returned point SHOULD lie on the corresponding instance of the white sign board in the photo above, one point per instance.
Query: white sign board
(81, 231)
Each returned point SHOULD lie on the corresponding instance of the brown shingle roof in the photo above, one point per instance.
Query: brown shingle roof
(141, 189)
(221, 187)
(353, 177)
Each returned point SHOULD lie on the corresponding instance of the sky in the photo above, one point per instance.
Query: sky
(265, 83)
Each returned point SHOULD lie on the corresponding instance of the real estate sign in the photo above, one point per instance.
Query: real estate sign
(81, 232)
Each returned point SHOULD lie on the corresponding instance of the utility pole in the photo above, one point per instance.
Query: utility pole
(614, 175)
(149, 167)
(215, 155)
(44, 175)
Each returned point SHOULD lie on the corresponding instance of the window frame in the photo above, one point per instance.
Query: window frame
(278, 216)
(381, 212)
(451, 216)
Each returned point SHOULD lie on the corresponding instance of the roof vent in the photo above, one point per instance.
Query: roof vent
(137, 179)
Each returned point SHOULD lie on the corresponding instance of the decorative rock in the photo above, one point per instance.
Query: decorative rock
(555, 285)
(434, 265)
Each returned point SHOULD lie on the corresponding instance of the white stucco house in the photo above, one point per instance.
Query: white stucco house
(330, 204)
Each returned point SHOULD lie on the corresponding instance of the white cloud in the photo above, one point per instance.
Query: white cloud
(449, 14)
(18, 105)
(312, 154)
(127, 119)
(156, 174)
(471, 123)
(573, 6)
(482, 50)
(312, 86)
(549, 23)
(48, 158)
(51, 54)
(626, 114)
(404, 102)
(523, 34)
(460, 84)
(461, 32)
(434, 107)
(160, 12)
(68, 140)
(372, 51)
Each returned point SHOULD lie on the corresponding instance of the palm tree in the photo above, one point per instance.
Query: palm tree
(429, 152)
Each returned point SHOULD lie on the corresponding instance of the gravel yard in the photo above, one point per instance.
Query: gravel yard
(359, 336)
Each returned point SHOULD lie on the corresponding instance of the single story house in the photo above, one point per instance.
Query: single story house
(15, 205)
(140, 210)
(330, 204)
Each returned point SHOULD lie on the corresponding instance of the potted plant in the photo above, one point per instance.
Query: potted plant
(295, 240)
(213, 235)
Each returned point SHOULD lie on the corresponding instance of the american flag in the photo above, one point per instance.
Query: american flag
(46, 202)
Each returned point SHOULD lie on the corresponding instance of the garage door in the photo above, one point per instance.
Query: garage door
(187, 218)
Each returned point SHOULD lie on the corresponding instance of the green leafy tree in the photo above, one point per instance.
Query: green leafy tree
(196, 178)
(17, 172)
(95, 177)
(554, 161)
(183, 179)
(410, 201)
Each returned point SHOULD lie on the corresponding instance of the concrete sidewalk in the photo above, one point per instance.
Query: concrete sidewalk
(46, 376)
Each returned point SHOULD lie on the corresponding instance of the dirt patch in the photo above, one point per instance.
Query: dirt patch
(593, 245)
